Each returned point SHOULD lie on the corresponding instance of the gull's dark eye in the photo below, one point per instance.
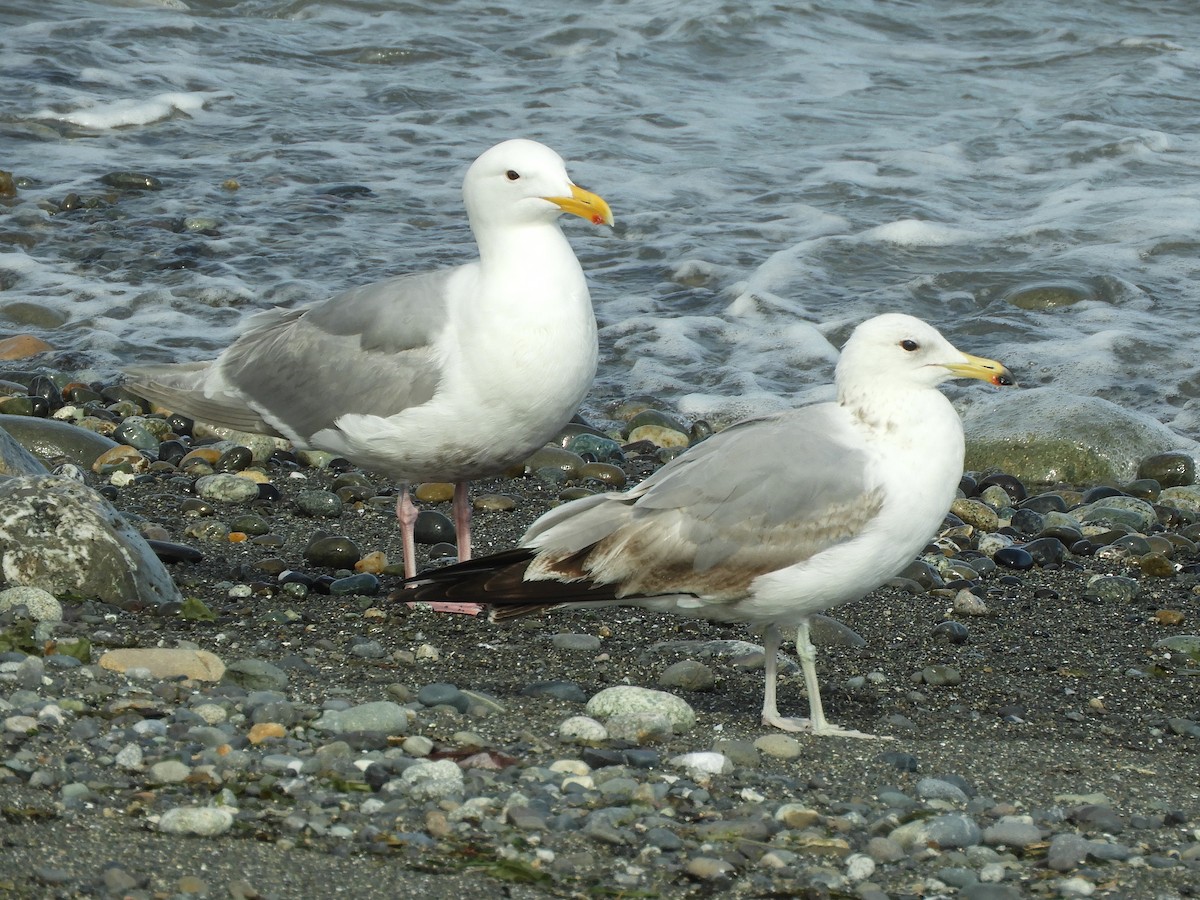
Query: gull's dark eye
(910, 345)
(512, 175)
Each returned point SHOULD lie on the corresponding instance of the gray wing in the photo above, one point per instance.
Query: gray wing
(759, 496)
(294, 372)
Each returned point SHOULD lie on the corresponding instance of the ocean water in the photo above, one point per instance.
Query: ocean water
(1022, 174)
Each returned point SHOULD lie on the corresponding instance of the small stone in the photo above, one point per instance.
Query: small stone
(198, 665)
(704, 763)
(623, 699)
(1171, 469)
(362, 584)
(945, 832)
(584, 642)
(688, 675)
(1111, 589)
(941, 676)
(494, 503)
(21, 346)
(582, 730)
(432, 780)
(779, 746)
(659, 436)
(1012, 831)
(968, 603)
(977, 513)
(381, 716)
(606, 473)
(443, 694)
(333, 551)
(318, 504)
(1013, 558)
(204, 821)
(432, 527)
(265, 731)
(373, 563)
(641, 727)
(226, 488)
(434, 492)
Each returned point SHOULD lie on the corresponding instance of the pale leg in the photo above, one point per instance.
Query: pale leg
(816, 723)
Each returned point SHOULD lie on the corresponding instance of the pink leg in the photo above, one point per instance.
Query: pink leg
(462, 520)
(407, 512)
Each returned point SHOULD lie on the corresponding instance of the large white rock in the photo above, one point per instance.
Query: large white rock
(63, 537)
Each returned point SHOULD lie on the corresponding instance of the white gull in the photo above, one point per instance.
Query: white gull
(768, 522)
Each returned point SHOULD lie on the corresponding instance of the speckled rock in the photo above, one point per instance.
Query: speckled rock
(623, 699)
(42, 605)
(63, 537)
(203, 821)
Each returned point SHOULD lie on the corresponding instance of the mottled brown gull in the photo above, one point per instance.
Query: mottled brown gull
(449, 375)
(767, 522)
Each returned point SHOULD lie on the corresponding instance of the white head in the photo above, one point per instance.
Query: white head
(523, 182)
(895, 353)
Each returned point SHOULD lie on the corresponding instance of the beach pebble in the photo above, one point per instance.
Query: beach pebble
(318, 504)
(226, 488)
(383, 716)
(584, 642)
(943, 831)
(688, 675)
(779, 746)
(624, 699)
(42, 605)
(202, 821)
(582, 730)
(703, 763)
(432, 780)
(1118, 589)
(199, 665)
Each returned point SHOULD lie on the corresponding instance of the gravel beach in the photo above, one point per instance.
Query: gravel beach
(1044, 727)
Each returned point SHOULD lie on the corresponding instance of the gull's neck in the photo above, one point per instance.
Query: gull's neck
(895, 410)
(523, 247)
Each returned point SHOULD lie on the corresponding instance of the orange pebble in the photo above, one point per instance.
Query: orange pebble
(374, 562)
(237, 537)
(19, 346)
(265, 731)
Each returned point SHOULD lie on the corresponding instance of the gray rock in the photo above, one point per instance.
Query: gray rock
(1012, 831)
(226, 488)
(936, 789)
(432, 780)
(1067, 851)
(51, 440)
(383, 716)
(255, 675)
(1047, 435)
(63, 537)
(688, 675)
(204, 821)
(946, 831)
(624, 699)
(585, 642)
